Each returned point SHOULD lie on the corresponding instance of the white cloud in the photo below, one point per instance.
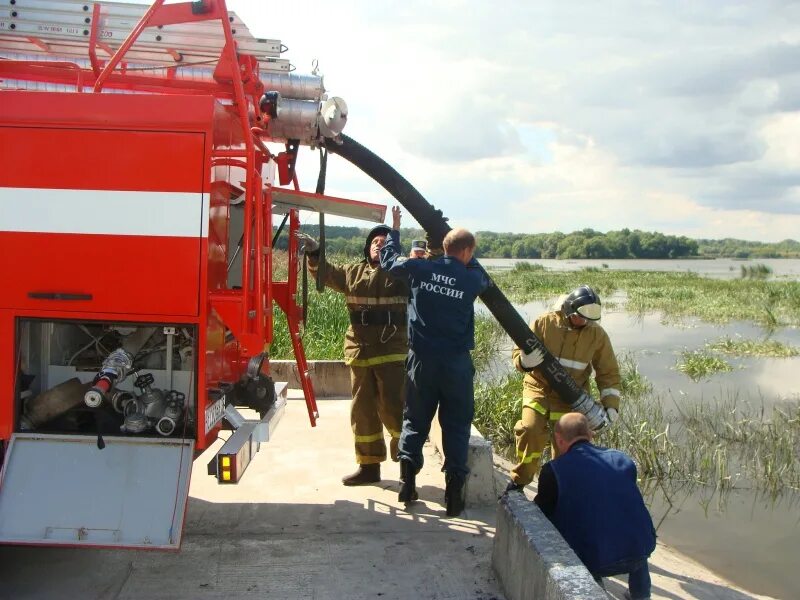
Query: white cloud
(548, 116)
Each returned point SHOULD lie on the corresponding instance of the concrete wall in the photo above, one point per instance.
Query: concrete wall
(480, 486)
(531, 559)
(330, 378)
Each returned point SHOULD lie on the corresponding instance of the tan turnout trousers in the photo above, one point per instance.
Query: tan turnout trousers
(377, 403)
(532, 433)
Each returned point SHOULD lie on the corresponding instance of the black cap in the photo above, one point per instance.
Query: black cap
(419, 245)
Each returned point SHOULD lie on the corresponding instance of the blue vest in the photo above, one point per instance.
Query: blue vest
(600, 511)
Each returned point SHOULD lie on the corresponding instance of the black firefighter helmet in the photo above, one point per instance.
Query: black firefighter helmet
(582, 301)
(375, 231)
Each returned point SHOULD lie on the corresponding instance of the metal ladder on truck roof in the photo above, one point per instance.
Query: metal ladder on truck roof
(50, 29)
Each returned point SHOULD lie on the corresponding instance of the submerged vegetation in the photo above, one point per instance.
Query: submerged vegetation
(698, 364)
(759, 271)
(764, 348)
(674, 295)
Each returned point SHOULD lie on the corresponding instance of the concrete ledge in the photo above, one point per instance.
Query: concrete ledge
(329, 377)
(480, 489)
(531, 559)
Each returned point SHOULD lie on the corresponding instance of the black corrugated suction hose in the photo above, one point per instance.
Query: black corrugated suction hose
(434, 223)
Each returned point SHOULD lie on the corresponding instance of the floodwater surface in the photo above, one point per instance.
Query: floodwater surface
(718, 268)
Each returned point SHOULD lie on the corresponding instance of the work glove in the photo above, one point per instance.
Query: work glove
(310, 245)
(612, 415)
(531, 359)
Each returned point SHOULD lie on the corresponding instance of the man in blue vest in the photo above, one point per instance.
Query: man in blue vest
(590, 495)
(439, 371)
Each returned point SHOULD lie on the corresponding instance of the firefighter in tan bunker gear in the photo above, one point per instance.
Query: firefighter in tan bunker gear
(375, 349)
(581, 345)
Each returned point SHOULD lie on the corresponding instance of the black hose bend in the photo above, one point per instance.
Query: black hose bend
(434, 223)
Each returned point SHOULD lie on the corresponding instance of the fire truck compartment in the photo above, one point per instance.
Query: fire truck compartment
(65, 490)
(153, 394)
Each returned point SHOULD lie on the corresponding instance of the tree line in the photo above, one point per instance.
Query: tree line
(586, 243)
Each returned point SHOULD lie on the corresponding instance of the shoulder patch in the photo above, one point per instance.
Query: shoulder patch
(401, 259)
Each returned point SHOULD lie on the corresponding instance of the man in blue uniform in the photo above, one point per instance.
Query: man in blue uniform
(590, 495)
(439, 371)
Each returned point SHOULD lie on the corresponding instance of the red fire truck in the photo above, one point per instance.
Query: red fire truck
(139, 181)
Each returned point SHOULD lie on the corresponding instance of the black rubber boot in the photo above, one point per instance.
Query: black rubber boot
(408, 482)
(454, 494)
(364, 474)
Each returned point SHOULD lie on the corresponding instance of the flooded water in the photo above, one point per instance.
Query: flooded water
(722, 268)
(751, 541)
(656, 347)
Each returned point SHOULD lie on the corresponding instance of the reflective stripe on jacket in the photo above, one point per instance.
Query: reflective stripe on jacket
(369, 288)
(580, 351)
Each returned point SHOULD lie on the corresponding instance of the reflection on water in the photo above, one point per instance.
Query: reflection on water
(749, 540)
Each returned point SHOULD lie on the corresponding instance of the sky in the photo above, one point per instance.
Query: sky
(681, 117)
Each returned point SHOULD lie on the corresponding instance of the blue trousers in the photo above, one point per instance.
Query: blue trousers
(443, 381)
(638, 576)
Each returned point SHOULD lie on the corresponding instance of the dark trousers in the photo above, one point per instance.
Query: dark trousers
(638, 576)
(443, 381)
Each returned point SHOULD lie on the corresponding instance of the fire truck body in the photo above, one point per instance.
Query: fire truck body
(111, 216)
(136, 244)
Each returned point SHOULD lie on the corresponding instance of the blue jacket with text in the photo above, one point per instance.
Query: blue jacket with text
(441, 315)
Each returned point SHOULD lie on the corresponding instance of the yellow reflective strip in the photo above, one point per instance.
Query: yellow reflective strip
(369, 438)
(554, 416)
(394, 434)
(526, 459)
(368, 459)
(534, 405)
(573, 364)
(376, 360)
(538, 408)
(369, 301)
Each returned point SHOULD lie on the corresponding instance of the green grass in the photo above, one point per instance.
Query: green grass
(489, 338)
(323, 337)
(761, 348)
(698, 364)
(498, 406)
